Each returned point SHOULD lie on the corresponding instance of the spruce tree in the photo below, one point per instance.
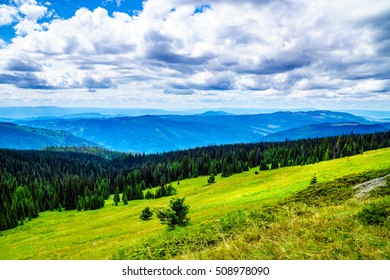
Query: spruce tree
(211, 179)
(124, 198)
(116, 196)
(313, 180)
(175, 215)
(146, 214)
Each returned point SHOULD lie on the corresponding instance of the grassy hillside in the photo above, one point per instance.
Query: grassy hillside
(115, 230)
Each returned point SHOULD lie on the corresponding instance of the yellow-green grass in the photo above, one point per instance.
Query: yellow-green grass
(299, 232)
(98, 234)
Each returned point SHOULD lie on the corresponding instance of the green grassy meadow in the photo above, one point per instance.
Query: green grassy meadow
(99, 234)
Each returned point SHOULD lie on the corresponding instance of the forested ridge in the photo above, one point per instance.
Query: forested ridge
(36, 181)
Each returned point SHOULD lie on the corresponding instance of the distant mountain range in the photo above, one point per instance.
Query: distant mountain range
(152, 133)
(18, 112)
(325, 130)
(14, 136)
(44, 112)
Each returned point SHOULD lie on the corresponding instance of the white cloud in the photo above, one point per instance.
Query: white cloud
(258, 49)
(32, 12)
(118, 2)
(8, 14)
(25, 12)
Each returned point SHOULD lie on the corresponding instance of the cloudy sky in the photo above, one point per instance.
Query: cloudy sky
(176, 54)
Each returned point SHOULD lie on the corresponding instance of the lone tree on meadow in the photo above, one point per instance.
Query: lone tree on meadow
(313, 180)
(175, 215)
(211, 179)
(146, 214)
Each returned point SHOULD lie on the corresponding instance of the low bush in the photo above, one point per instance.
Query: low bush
(375, 213)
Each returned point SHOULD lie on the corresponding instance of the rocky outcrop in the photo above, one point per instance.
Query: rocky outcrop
(363, 190)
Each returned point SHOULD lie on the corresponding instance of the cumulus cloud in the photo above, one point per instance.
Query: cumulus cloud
(8, 14)
(25, 13)
(257, 49)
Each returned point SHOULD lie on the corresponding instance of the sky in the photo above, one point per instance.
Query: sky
(179, 54)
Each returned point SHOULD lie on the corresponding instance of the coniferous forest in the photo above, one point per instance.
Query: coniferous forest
(56, 180)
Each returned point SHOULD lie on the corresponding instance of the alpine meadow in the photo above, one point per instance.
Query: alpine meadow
(154, 133)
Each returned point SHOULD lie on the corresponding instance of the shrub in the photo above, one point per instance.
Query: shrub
(375, 213)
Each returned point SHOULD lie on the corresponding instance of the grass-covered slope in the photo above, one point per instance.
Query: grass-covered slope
(288, 229)
(305, 228)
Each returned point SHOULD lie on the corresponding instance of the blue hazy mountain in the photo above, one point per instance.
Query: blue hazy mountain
(14, 136)
(325, 130)
(59, 112)
(151, 133)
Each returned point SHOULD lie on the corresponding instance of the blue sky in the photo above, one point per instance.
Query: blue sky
(65, 9)
(177, 54)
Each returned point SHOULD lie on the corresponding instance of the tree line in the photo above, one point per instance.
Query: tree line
(36, 181)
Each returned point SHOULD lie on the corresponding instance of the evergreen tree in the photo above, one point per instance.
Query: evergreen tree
(146, 214)
(313, 180)
(80, 203)
(175, 215)
(149, 194)
(116, 196)
(158, 194)
(211, 179)
(138, 192)
(170, 190)
(263, 166)
(124, 198)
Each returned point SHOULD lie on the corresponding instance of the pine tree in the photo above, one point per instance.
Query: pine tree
(138, 192)
(149, 194)
(313, 180)
(146, 214)
(176, 214)
(211, 179)
(124, 198)
(116, 196)
(80, 203)
(158, 194)
(263, 166)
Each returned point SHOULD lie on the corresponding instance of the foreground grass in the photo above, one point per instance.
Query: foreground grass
(297, 234)
(300, 232)
(323, 221)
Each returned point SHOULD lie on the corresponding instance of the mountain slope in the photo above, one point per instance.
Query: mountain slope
(61, 235)
(14, 136)
(172, 132)
(324, 130)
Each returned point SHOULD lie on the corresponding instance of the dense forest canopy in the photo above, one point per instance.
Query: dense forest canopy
(36, 181)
